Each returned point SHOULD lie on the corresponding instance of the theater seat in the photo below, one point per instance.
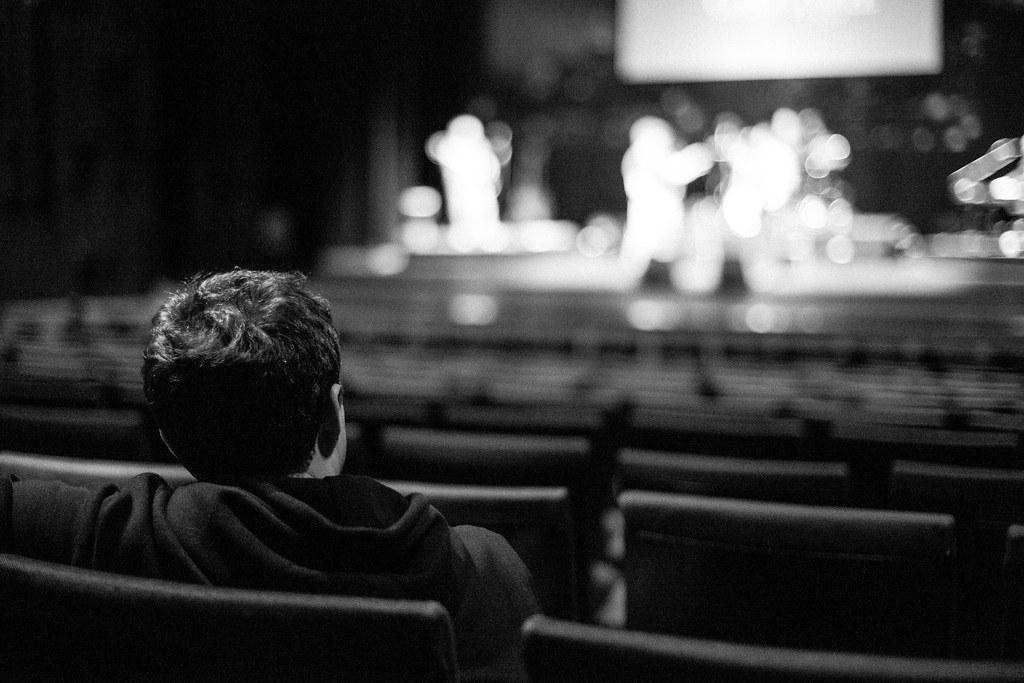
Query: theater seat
(492, 458)
(558, 651)
(1013, 594)
(472, 457)
(113, 433)
(985, 501)
(795, 575)
(537, 521)
(86, 472)
(68, 623)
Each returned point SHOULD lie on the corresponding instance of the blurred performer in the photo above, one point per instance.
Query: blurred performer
(763, 174)
(655, 174)
(471, 175)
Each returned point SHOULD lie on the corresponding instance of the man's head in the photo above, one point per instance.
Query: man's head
(239, 373)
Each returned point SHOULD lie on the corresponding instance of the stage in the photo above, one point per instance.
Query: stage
(950, 302)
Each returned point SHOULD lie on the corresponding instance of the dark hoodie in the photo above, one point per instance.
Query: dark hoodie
(347, 535)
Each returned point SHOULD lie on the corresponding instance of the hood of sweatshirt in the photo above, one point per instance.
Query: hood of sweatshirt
(345, 534)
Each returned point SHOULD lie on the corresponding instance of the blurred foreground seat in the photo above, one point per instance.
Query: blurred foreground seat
(68, 623)
(985, 501)
(75, 431)
(558, 651)
(86, 471)
(793, 481)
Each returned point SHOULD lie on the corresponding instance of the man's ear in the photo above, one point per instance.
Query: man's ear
(331, 439)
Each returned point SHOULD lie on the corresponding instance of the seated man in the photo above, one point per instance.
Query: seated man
(242, 375)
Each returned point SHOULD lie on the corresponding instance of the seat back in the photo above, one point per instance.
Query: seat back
(86, 472)
(785, 574)
(491, 458)
(537, 521)
(472, 457)
(853, 439)
(795, 481)
(1013, 594)
(558, 650)
(76, 431)
(62, 622)
(985, 501)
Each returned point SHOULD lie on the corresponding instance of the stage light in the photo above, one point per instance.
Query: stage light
(387, 259)
(419, 201)
(1010, 244)
(840, 215)
(594, 240)
(473, 309)
(839, 249)
(971, 125)
(787, 126)
(760, 318)
(837, 149)
(742, 211)
(812, 212)
(648, 315)
(922, 139)
(935, 106)
(955, 139)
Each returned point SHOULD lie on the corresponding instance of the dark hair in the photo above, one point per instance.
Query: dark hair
(236, 371)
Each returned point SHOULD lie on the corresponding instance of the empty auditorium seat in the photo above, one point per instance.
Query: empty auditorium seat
(853, 439)
(112, 433)
(794, 481)
(1013, 594)
(796, 575)
(472, 457)
(538, 523)
(502, 459)
(985, 501)
(69, 623)
(539, 417)
(84, 471)
(558, 651)
(707, 428)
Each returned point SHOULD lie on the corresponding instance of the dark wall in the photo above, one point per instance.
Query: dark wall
(142, 139)
(288, 125)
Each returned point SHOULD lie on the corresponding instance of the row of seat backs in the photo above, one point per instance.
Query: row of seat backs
(538, 521)
(64, 429)
(69, 623)
(984, 501)
(556, 651)
(884, 581)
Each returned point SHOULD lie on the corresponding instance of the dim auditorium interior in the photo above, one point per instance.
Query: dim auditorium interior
(713, 308)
